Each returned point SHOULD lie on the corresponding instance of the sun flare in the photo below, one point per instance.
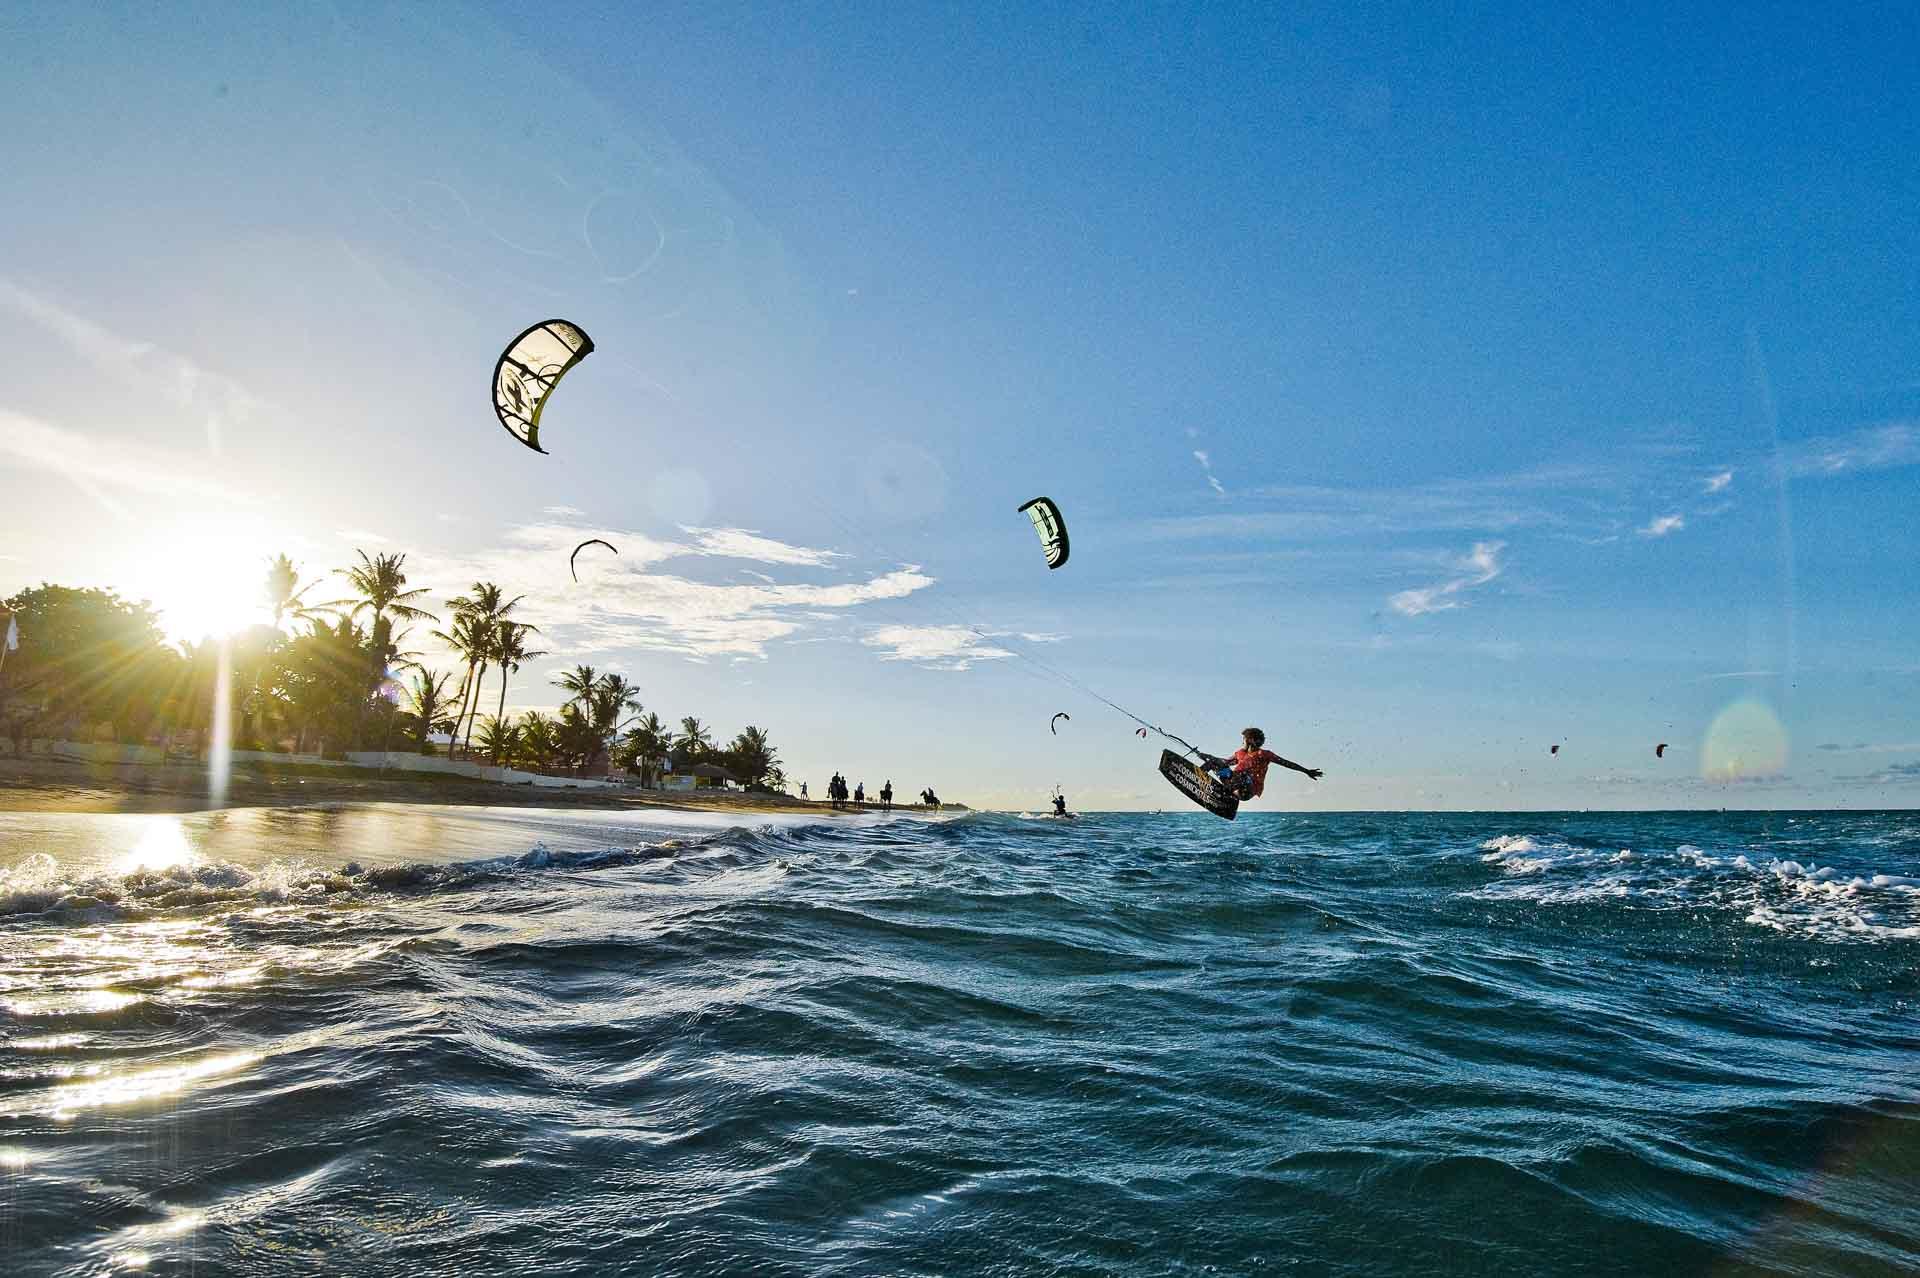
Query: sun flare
(205, 575)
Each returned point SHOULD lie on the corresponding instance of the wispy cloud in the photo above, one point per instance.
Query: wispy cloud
(1862, 747)
(747, 543)
(1663, 526)
(1739, 674)
(1872, 448)
(1571, 497)
(1206, 465)
(214, 402)
(127, 466)
(361, 535)
(1479, 567)
(564, 512)
(938, 647)
(1718, 483)
(1892, 774)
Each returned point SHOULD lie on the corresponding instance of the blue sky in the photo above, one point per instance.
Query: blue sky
(1426, 388)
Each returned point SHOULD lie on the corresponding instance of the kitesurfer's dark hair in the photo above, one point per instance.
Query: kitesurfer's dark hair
(1258, 737)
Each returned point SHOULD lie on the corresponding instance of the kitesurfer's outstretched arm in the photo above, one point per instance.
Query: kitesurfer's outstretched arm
(1312, 773)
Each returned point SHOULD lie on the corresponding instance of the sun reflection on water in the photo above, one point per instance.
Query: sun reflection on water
(144, 1085)
(162, 847)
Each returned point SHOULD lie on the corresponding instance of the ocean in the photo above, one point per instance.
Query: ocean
(425, 1041)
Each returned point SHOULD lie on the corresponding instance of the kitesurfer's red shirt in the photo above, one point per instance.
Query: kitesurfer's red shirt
(1254, 763)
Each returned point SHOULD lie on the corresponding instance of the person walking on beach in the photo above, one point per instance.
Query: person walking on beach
(886, 796)
(803, 791)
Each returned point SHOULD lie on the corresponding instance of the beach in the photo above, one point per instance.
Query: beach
(47, 784)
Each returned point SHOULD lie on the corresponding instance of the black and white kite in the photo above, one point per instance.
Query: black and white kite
(1051, 527)
(529, 369)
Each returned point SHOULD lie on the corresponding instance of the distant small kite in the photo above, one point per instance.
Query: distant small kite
(1047, 522)
(591, 541)
(1553, 750)
(1660, 751)
(1139, 732)
(1053, 724)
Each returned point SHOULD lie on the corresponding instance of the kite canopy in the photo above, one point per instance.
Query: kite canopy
(1053, 724)
(529, 369)
(591, 541)
(1051, 527)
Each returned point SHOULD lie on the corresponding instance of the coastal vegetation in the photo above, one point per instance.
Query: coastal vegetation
(339, 676)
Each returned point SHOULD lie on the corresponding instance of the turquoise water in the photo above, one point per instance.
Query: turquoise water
(429, 1041)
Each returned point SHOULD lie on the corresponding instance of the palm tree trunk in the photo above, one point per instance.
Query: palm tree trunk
(503, 695)
(466, 691)
(479, 680)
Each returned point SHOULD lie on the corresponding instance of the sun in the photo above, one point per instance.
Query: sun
(205, 575)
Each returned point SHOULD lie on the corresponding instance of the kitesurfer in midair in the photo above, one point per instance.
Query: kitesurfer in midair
(1245, 774)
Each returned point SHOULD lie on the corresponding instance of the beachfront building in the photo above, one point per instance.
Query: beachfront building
(699, 776)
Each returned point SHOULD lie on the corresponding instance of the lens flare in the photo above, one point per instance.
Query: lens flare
(1746, 740)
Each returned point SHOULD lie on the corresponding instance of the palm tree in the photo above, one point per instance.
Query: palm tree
(466, 637)
(380, 586)
(692, 741)
(284, 591)
(500, 741)
(578, 683)
(428, 703)
(576, 738)
(485, 608)
(752, 755)
(509, 649)
(539, 740)
(605, 705)
(645, 742)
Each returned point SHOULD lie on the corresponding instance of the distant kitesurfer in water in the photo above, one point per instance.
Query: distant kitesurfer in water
(1245, 774)
(1059, 805)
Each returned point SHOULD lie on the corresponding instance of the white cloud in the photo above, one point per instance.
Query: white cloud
(564, 512)
(361, 535)
(747, 543)
(631, 606)
(1664, 525)
(94, 467)
(1041, 637)
(1480, 566)
(940, 647)
(1206, 464)
(1720, 482)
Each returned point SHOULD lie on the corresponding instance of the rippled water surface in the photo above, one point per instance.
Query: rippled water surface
(436, 1041)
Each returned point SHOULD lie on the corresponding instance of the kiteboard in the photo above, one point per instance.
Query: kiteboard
(1206, 792)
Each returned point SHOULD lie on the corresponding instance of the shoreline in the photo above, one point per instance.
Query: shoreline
(61, 786)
